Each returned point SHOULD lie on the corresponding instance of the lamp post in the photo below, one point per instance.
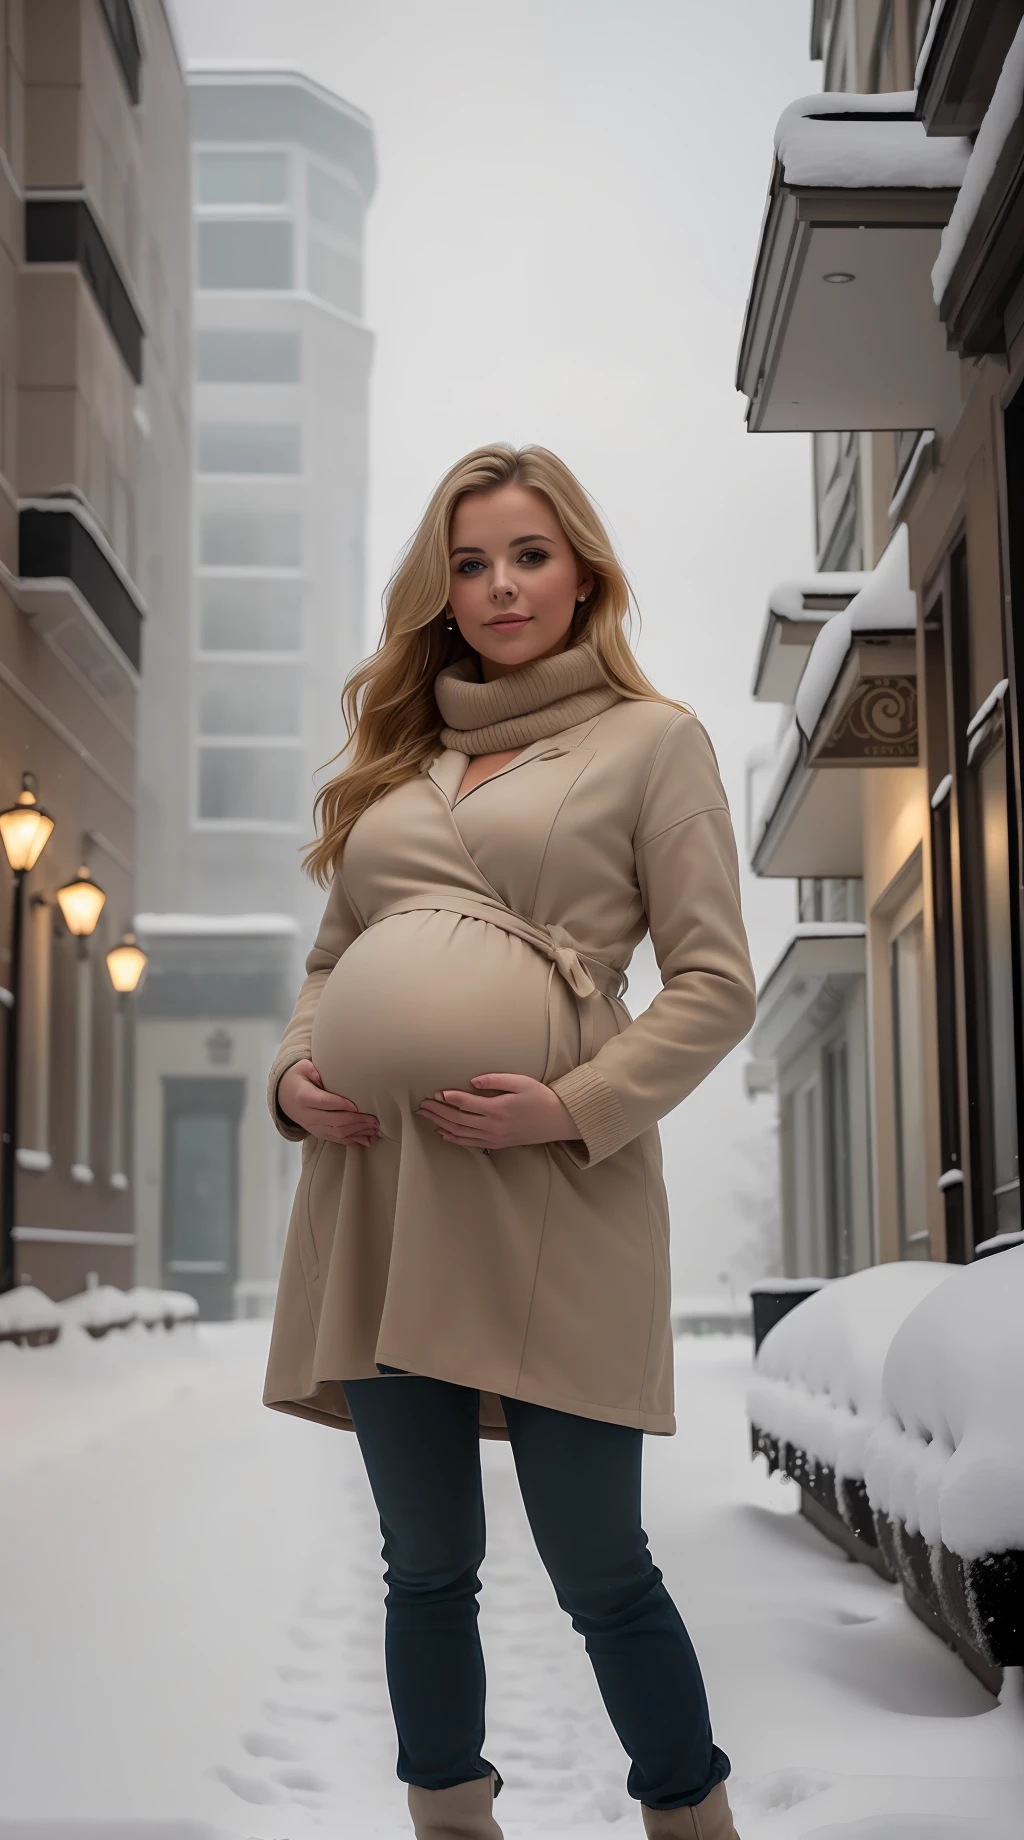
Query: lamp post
(81, 902)
(25, 829)
(126, 963)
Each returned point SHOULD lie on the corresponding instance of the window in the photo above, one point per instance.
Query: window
(254, 699)
(905, 962)
(335, 277)
(235, 254)
(244, 615)
(830, 898)
(251, 539)
(243, 178)
(806, 1177)
(249, 447)
(249, 785)
(338, 207)
(248, 357)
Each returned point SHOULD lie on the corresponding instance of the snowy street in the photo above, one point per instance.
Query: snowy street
(193, 1626)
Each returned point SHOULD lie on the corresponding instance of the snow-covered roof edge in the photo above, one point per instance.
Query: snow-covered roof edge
(812, 929)
(886, 604)
(883, 146)
(1003, 110)
(786, 598)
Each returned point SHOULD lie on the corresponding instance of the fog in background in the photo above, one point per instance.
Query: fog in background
(559, 250)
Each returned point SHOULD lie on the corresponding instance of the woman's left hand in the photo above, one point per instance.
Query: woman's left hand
(519, 1111)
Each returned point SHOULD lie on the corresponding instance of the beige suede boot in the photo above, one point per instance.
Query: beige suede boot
(710, 1819)
(460, 1813)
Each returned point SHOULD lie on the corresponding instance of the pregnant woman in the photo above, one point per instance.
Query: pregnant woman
(479, 1244)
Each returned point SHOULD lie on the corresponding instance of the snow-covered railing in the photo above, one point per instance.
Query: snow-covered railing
(895, 1398)
(29, 1318)
(944, 1465)
(816, 1395)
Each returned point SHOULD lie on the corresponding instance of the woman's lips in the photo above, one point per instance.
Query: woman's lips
(507, 625)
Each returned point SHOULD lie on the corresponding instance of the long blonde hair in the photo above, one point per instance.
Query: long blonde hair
(395, 724)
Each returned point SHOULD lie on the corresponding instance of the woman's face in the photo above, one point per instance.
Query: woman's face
(514, 577)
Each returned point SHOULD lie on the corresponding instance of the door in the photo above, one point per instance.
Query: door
(906, 959)
(200, 1190)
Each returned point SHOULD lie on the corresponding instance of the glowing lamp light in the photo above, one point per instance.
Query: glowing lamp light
(126, 962)
(25, 829)
(81, 903)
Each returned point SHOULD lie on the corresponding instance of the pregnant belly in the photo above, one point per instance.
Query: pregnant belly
(428, 999)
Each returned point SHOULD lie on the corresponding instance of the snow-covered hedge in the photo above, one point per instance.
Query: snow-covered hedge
(28, 1311)
(817, 1383)
(946, 1459)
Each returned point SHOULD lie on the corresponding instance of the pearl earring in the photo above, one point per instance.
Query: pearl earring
(581, 597)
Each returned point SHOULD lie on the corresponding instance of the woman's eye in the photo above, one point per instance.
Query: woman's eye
(464, 567)
(534, 555)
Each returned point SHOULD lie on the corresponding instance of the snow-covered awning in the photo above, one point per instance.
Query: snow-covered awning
(841, 331)
(857, 700)
(806, 985)
(796, 612)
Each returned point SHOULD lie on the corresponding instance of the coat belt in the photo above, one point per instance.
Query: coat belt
(584, 974)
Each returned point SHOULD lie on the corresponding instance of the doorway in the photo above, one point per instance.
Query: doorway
(201, 1190)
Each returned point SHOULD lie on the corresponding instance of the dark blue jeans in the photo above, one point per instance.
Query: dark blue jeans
(580, 1482)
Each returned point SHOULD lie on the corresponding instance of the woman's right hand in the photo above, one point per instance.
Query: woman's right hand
(301, 1096)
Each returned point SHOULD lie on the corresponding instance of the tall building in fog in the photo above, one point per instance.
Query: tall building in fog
(282, 174)
(95, 483)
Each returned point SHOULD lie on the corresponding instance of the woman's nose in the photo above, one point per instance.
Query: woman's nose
(502, 589)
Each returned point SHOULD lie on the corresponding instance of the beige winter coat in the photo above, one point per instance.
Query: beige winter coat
(490, 934)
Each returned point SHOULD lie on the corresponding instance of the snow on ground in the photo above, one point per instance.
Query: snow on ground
(193, 1624)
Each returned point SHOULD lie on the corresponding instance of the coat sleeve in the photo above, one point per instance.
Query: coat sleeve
(339, 926)
(688, 875)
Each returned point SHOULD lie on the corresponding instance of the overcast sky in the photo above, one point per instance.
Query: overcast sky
(559, 250)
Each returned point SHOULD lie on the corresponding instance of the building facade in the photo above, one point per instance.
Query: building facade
(885, 317)
(94, 487)
(283, 172)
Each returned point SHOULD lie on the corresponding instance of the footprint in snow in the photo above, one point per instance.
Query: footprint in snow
(302, 1779)
(265, 1744)
(280, 1709)
(783, 1790)
(301, 1638)
(247, 1788)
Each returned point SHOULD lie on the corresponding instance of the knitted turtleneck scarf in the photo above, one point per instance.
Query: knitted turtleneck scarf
(539, 699)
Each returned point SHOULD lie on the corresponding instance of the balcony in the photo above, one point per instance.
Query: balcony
(841, 330)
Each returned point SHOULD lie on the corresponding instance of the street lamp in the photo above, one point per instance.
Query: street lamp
(81, 902)
(126, 963)
(25, 830)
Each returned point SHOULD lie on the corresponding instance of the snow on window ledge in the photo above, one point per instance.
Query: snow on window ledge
(854, 141)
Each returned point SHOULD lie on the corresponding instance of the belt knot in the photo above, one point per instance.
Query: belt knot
(569, 962)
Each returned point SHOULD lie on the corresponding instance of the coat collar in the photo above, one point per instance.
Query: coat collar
(540, 699)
